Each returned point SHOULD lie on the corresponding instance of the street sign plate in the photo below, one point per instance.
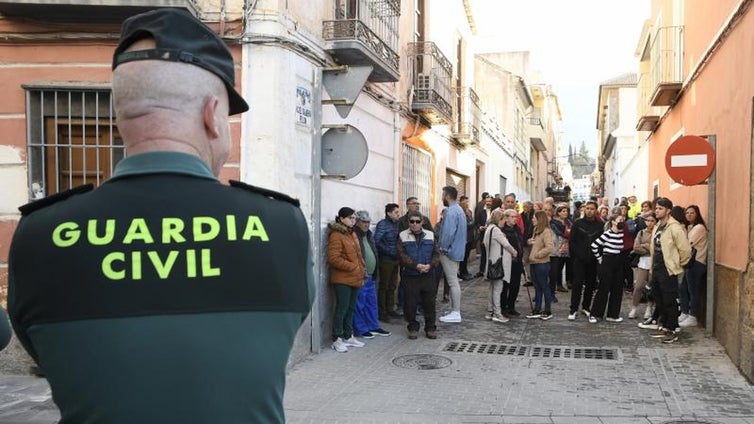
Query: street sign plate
(690, 160)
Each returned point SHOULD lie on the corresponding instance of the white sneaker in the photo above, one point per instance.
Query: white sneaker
(499, 318)
(572, 317)
(489, 315)
(632, 314)
(339, 345)
(682, 317)
(619, 319)
(353, 342)
(593, 320)
(648, 312)
(452, 316)
(586, 313)
(689, 322)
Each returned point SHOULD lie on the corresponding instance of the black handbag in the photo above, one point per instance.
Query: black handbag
(494, 270)
(692, 259)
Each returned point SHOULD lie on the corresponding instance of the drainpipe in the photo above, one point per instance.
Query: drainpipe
(316, 205)
(711, 218)
(397, 144)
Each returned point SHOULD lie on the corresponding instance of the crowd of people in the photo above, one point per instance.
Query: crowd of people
(653, 251)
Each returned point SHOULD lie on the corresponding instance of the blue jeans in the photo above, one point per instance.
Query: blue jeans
(540, 275)
(689, 288)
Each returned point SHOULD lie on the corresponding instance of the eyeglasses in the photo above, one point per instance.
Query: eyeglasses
(415, 203)
(414, 221)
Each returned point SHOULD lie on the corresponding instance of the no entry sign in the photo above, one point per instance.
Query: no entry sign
(690, 160)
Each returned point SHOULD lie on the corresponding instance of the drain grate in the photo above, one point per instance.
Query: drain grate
(544, 352)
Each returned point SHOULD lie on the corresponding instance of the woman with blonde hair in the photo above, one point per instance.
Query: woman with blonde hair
(541, 247)
(498, 249)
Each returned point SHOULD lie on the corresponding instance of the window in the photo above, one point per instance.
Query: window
(456, 180)
(72, 139)
(417, 177)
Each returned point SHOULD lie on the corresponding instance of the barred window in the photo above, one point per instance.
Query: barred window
(72, 138)
(417, 177)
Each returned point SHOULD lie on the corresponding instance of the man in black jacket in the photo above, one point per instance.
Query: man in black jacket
(585, 230)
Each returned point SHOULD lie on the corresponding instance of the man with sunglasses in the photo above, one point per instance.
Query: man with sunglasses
(419, 255)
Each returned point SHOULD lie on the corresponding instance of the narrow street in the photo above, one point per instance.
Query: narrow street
(616, 373)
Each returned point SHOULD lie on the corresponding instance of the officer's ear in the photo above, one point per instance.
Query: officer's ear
(209, 112)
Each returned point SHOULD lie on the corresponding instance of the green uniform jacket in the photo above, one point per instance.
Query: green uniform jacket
(162, 296)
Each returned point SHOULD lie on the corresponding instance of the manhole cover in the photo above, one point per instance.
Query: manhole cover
(422, 362)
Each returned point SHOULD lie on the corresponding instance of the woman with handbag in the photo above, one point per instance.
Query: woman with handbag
(541, 246)
(560, 225)
(696, 268)
(498, 251)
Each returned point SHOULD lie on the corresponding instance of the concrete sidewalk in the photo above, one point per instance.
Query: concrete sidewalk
(478, 371)
(529, 371)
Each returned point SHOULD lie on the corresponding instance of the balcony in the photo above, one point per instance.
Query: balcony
(86, 11)
(667, 65)
(648, 115)
(365, 32)
(432, 72)
(468, 122)
(537, 134)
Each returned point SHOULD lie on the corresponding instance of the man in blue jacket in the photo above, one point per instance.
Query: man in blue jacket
(385, 236)
(419, 255)
(452, 244)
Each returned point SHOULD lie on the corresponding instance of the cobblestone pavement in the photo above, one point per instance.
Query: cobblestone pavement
(645, 381)
(530, 371)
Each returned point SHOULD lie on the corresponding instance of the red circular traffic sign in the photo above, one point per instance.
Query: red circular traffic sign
(690, 160)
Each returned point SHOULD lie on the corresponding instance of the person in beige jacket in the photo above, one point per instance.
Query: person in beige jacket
(497, 248)
(541, 248)
(695, 269)
(670, 252)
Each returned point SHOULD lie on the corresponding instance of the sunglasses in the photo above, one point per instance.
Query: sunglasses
(414, 221)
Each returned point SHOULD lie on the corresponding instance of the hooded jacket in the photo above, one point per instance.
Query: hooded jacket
(344, 256)
(676, 250)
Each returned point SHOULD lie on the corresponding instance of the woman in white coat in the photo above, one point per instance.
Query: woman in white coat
(498, 248)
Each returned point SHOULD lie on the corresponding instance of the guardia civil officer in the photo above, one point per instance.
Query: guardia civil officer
(165, 296)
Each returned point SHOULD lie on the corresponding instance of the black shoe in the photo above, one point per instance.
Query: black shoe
(445, 299)
(546, 315)
(512, 313)
(466, 277)
(554, 299)
(562, 289)
(367, 335)
(380, 332)
(671, 338)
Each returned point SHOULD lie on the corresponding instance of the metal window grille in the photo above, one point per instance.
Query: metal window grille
(72, 138)
(417, 176)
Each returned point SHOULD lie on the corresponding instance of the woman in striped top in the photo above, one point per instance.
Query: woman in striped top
(607, 251)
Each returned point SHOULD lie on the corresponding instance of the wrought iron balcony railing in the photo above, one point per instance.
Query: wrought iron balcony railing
(648, 115)
(432, 73)
(667, 65)
(468, 119)
(365, 32)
